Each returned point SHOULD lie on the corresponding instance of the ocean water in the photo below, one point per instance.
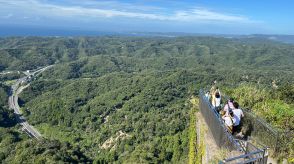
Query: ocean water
(6, 31)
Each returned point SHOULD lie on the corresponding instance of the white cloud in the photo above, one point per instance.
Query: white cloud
(115, 9)
(7, 16)
(109, 4)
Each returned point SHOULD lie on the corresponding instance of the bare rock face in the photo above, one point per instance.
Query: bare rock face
(111, 142)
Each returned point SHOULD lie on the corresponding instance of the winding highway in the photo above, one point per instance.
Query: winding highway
(16, 89)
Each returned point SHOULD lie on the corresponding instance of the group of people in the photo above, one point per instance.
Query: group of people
(230, 113)
(232, 116)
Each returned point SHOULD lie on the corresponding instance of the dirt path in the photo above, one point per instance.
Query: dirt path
(212, 153)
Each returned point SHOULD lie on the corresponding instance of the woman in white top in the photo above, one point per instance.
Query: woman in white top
(216, 102)
(238, 114)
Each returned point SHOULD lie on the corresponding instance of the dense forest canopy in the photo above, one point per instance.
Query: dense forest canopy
(123, 53)
(124, 99)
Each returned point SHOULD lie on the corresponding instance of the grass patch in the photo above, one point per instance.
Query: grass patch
(9, 82)
(55, 132)
(193, 156)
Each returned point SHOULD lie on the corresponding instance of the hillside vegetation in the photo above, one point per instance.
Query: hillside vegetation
(124, 99)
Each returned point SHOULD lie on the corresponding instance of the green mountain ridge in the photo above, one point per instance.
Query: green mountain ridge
(125, 99)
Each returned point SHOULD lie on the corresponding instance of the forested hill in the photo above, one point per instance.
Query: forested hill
(125, 99)
(181, 52)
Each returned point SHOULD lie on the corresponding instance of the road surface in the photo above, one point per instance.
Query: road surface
(16, 89)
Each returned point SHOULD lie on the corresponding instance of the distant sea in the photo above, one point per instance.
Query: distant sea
(7, 31)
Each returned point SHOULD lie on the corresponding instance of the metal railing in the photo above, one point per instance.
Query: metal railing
(252, 154)
(257, 129)
(277, 140)
(215, 123)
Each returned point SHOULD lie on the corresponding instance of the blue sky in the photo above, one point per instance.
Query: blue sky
(191, 16)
